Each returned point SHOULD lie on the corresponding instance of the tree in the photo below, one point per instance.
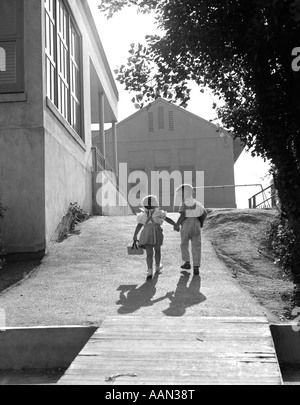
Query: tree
(241, 50)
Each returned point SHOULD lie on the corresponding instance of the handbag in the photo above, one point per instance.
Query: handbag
(135, 249)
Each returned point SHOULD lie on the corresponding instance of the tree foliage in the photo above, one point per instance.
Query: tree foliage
(242, 51)
(281, 241)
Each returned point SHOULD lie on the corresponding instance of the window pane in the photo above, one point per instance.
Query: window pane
(8, 17)
(8, 63)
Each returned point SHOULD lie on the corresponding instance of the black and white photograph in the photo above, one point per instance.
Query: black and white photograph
(149, 195)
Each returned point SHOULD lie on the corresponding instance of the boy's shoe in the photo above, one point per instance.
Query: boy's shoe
(159, 268)
(196, 271)
(150, 274)
(186, 266)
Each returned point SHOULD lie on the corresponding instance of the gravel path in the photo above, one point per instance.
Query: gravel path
(90, 276)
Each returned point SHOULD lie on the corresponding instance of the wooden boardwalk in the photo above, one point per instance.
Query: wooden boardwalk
(177, 351)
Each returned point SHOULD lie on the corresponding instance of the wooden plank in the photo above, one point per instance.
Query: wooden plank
(178, 351)
(188, 378)
(200, 360)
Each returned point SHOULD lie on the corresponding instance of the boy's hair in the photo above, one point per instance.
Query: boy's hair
(150, 202)
(186, 189)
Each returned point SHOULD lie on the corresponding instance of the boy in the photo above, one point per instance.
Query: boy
(192, 217)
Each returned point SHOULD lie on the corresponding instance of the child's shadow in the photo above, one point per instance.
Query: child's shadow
(137, 298)
(185, 296)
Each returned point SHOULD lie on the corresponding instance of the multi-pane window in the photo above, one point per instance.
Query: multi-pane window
(63, 47)
(11, 46)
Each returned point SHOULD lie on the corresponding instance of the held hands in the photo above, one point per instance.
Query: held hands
(176, 228)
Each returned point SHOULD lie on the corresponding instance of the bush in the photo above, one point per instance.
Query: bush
(282, 241)
(78, 215)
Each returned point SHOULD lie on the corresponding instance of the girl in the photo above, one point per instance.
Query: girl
(152, 236)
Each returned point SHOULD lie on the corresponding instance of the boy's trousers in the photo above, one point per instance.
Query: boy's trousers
(191, 231)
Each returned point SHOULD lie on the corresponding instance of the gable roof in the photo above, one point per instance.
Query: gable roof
(168, 103)
(237, 144)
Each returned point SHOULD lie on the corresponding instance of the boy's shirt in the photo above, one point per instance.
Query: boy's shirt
(192, 208)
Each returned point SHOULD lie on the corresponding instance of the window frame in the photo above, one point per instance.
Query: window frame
(18, 39)
(54, 60)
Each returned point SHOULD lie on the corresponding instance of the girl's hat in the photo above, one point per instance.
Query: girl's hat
(150, 201)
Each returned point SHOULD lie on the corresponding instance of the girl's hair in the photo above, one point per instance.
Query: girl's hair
(150, 202)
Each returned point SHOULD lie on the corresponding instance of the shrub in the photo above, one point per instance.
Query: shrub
(282, 241)
(78, 214)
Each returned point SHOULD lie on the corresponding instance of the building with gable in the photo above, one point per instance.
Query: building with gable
(56, 83)
(164, 137)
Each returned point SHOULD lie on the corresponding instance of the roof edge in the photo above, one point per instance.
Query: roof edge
(96, 35)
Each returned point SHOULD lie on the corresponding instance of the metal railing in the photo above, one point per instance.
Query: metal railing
(268, 202)
(100, 164)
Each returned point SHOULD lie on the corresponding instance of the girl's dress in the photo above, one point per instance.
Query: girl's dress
(152, 233)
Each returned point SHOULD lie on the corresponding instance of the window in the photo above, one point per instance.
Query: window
(161, 118)
(63, 50)
(11, 46)
(151, 122)
(171, 121)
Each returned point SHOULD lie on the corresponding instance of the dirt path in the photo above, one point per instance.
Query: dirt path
(89, 276)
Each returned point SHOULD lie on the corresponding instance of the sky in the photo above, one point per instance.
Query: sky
(128, 27)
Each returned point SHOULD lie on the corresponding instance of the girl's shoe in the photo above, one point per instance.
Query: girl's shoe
(159, 268)
(196, 271)
(150, 274)
(186, 266)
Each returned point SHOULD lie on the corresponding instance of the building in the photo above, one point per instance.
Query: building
(164, 137)
(55, 82)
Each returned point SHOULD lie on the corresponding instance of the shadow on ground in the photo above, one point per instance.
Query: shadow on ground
(137, 298)
(14, 272)
(186, 295)
(132, 298)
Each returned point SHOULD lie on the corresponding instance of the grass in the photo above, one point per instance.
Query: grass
(239, 238)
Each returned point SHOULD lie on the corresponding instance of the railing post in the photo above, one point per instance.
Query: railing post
(273, 196)
(115, 147)
(94, 159)
(102, 143)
